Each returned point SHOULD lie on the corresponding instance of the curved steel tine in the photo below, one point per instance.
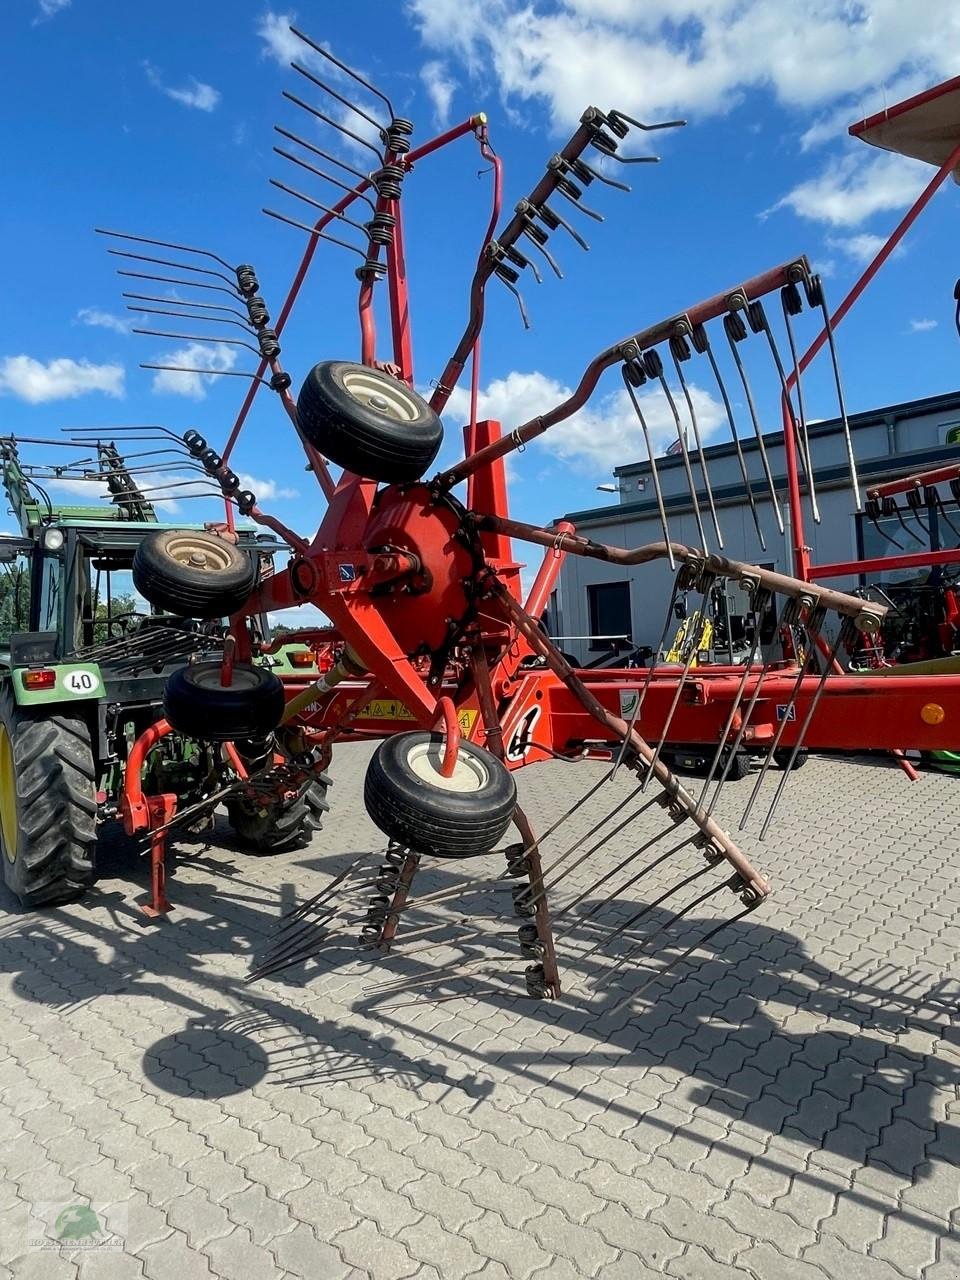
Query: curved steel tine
(756, 309)
(575, 201)
(324, 155)
(701, 344)
(184, 302)
(891, 508)
(166, 244)
(799, 420)
(937, 503)
(198, 337)
(181, 266)
(661, 509)
(757, 606)
(735, 745)
(700, 454)
(552, 220)
(351, 106)
(187, 315)
(212, 373)
(287, 155)
(682, 439)
(758, 430)
(321, 235)
(843, 635)
(544, 250)
(191, 284)
(828, 330)
(354, 75)
(812, 629)
(334, 124)
(647, 128)
(603, 177)
(873, 513)
(316, 204)
(519, 297)
(153, 427)
(693, 640)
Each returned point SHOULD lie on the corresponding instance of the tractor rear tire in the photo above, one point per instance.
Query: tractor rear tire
(198, 706)
(48, 803)
(411, 803)
(368, 422)
(282, 826)
(192, 574)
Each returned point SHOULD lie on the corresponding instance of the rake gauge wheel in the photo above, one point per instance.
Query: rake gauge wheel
(192, 574)
(368, 422)
(197, 705)
(412, 803)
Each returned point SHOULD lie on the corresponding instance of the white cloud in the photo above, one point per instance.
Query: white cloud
(851, 189)
(279, 42)
(103, 320)
(602, 435)
(441, 88)
(63, 379)
(196, 356)
(196, 94)
(266, 490)
(923, 326)
(303, 615)
(862, 248)
(49, 9)
(697, 56)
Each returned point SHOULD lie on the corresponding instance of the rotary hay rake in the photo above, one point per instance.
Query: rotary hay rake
(432, 646)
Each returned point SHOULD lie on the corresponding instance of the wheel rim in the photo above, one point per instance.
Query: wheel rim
(8, 796)
(208, 678)
(202, 555)
(382, 394)
(470, 774)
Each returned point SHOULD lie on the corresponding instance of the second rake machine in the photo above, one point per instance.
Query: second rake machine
(433, 647)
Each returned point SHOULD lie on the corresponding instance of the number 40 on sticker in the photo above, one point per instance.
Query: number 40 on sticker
(81, 682)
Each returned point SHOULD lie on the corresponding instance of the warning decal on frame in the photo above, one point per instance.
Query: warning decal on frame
(786, 711)
(393, 709)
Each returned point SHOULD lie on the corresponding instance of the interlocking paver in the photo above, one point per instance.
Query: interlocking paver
(784, 1106)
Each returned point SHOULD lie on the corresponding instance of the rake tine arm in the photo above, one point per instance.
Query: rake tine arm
(645, 910)
(679, 800)
(653, 362)
(701, 344)
(790, 302)
(675, 348)
(629, 371)
(866, 614)
(627, 349)
(732, 323)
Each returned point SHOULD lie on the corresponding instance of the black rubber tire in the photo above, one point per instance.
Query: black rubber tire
(781, 758)
(740, 768)
(56, 803)
(163, 574)
(282, 826)
(394, 442)
(431, 819)
(197, 705)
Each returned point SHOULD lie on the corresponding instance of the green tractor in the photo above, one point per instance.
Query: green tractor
(83, 665)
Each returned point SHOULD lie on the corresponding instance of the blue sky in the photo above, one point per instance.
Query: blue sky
(158, 119)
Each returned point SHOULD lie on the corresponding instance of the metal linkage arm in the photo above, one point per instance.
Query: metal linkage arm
(867, 615)
(627, 349)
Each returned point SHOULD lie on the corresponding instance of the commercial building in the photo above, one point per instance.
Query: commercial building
(594, 599)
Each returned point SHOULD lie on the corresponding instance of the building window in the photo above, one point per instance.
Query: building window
(952, 433)
(609, 614)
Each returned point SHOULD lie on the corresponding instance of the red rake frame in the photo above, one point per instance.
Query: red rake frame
(423, 592)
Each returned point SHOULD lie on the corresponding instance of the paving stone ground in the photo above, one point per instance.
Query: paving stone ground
(783, 1104)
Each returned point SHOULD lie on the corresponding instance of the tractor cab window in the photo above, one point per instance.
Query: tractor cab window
(106, 601)
(51, 592)
(15, 564)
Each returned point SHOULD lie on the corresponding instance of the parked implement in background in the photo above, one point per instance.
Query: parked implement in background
(84, 665)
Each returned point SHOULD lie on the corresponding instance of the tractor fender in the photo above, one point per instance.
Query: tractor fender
(72, 682)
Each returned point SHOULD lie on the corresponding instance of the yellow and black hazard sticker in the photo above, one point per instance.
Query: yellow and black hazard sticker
(393, 709)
